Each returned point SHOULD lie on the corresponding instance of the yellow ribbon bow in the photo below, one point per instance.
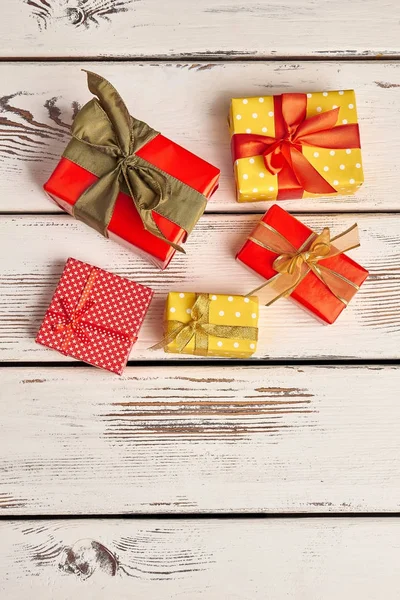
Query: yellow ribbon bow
(294, 264)
(199, 328)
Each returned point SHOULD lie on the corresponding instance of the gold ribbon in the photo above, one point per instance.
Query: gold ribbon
(294, 264)
(199, 328)
(105, 141)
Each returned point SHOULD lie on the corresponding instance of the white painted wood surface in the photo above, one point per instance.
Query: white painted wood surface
(38, 100)
(33, 251)
(235, 559)
(177, 440)
(129, 28)
(187, 440)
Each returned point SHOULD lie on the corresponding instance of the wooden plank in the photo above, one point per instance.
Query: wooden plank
(180, 440)
(33, 251)
(236, 559)
(125, 28)
(39, 100)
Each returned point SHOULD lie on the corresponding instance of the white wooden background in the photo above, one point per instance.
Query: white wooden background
(211, 559)
(305, 435)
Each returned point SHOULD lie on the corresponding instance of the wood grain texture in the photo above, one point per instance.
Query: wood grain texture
(34, 249)
(213, 28)
(38, 102)
(329, 559)
(195, 439)
(188, 440)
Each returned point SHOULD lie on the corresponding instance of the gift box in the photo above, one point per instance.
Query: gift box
(210, 325)
(309, 267)
(95, 316)
(295, 146)
(128, 181)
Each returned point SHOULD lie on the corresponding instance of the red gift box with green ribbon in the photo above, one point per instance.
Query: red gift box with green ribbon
(129, 182)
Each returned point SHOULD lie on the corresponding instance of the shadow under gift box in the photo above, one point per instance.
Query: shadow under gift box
(311, 293)
(69, 181)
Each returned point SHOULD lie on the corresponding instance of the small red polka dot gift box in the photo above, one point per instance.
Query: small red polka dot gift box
(95, 316)
(310, 267)
(129, 182)
(296, 145)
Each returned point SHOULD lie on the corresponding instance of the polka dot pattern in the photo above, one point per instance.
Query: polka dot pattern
(343, 174)
(116, 304)
(255, 183)
(224, 310)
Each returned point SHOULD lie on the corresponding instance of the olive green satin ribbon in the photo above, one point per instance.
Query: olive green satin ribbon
(199, 328)
(105, 141)
(294, 264)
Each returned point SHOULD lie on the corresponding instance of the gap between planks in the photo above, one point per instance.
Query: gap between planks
(297, 213)
(204, 516)
(217, 362)
(209, 58)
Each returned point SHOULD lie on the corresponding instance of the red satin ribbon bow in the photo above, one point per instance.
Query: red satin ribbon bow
(283, 154)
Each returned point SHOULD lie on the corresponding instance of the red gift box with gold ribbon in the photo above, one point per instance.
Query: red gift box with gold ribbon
(296, 145)
(95, 316)
(310, 267)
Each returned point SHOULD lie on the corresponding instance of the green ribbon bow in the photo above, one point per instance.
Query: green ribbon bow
(105, 141)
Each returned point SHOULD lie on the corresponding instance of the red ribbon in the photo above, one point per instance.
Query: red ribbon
(72, 322)
(283, 154)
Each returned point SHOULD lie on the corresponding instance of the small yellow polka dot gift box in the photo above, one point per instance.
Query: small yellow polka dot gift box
(296, 146)
(210, 325)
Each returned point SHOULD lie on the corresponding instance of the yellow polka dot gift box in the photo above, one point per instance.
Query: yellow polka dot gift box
(296, 146)
(210, 325)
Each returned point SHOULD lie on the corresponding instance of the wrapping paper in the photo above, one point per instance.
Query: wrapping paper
(127, 181)
(340, 167)
(69, 180)
(224, 310)
(311, 292)
(95, 316)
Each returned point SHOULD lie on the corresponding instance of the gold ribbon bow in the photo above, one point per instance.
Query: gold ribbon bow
(105, 141)
(294, 264)
(199, 328)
